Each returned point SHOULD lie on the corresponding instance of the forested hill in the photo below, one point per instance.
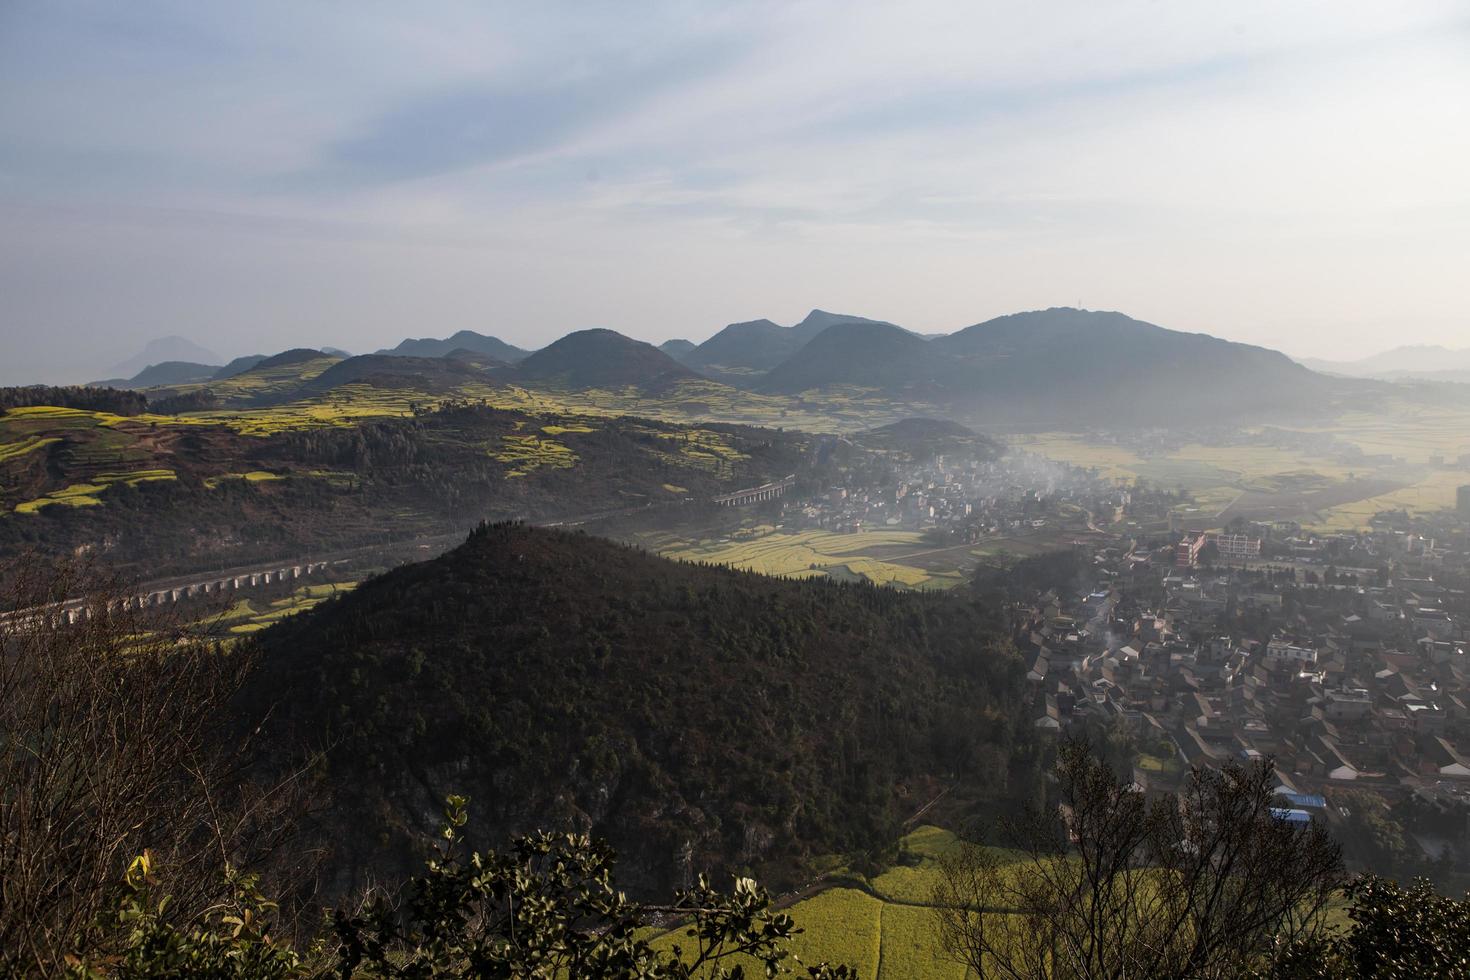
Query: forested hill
(697, 717)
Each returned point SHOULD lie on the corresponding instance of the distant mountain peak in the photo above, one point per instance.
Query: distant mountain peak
(162, 350)
(463, 340)
(598, 357)
(818, 320)
(1407, 361)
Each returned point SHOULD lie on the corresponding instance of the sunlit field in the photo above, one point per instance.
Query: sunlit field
(882, 926)
(875, 556)
(252, 615)
(89, 494)
(1320, 491)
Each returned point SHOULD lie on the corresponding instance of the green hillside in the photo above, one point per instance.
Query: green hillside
(153, 494)
(696, 717)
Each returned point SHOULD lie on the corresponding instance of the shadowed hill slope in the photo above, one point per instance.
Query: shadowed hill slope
(172, 373)
(818, 320)
(861, 353)
(677, 348)
(427, 374)
(697, 717)
(1081, 364)
(599, 359)
(754, 346)
(744, 351)
(238, 366)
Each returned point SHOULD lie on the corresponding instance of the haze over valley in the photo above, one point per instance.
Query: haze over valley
(439, 537)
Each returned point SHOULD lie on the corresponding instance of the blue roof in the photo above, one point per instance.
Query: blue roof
(1291, 816)
(1303, 801)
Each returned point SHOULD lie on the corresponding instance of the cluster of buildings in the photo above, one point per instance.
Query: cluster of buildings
(1016, 495)
(1348, 676)
(1341, 656)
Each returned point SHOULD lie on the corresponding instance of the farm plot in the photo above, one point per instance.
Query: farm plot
(1308, 505)
(86, 494)
(21, 447)
(251, 616)
(883, 927)
(840, 925)
(807, 554)
(527, 452)
(1267, 482)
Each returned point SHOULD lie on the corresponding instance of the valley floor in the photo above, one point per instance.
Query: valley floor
(1332, 478)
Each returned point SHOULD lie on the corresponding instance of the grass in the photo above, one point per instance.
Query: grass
(841, 925)
(884, 557)
(884, 938)
(807, 554)
(86, 494)
(1153, 763)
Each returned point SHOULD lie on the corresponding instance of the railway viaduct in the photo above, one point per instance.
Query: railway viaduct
(78, 611)
(755, 495)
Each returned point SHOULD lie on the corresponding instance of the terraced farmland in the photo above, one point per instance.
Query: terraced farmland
(253, 615)
(527, 452)
(15, 450)
(88, 494)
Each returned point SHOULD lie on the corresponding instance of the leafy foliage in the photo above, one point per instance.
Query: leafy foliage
(114, 400)
(547, 908)
(1397, 933)
(230, 939)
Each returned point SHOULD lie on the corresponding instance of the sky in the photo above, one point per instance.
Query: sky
(258, 176)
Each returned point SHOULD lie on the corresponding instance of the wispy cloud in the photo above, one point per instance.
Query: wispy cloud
(361, 172)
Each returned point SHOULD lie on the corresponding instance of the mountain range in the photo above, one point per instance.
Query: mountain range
(744, 350)
(465, 340)
(598, 359)
(1427, 362)
(161, 350)
(1040, 367)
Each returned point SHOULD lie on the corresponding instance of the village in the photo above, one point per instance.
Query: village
(1340, 656)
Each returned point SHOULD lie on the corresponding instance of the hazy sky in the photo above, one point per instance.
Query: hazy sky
(262, 175)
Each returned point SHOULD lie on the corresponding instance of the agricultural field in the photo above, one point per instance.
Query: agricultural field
(342, 406)
(527, 452)
(253, 615)
(254, 476)
(884, 557)
(1327, 492)
(811, 554)
(261, 382)
(19, 448)
(88, 494)
(700, 400)
(880, 927)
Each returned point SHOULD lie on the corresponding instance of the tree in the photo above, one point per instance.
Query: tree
(1109, 883)
(108, 744)
(546, 908)
(1397, 934)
